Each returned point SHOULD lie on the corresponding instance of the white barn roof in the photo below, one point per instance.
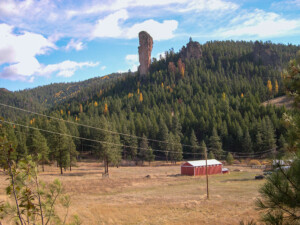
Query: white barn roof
(202, 162)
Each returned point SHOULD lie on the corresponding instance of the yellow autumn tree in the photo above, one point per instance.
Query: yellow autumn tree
(130, 95)
(223, 96)
(242, 95)
(95, 103)
(105, 109)
(62, 112)
(80, 108)
(141, 97)
(162, 84)
(138, 91)
(69, 113)
(276, 86)
(269, 86)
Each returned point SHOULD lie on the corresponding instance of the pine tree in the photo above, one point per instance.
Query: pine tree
(37, 147)
(259, 142)
(282, 146)
(21, 149)
(247, 143)
(58, 144)
(194, 143)
(268, 135)
(174, 148)
(203, 149)
(143, 149)
(149, 156)
(164, 138)
(108, 149)
(215, 144)
(133, 147)
(211, 155)
(229, 158)
(73, 154)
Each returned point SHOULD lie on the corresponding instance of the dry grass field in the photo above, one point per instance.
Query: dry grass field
(128, 197)
(281, 101)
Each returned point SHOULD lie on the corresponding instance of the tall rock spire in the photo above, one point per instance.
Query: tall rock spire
(145, 48)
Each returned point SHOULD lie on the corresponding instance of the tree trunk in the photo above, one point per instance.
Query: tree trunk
(43, 167)
(61, 170)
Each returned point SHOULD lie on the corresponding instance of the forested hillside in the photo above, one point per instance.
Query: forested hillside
(213, 99)
(45, 97)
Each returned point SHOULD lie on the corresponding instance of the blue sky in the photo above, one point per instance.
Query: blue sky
(48, 41)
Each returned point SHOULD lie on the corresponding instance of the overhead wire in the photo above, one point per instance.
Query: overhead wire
(101, 129)
(88, 126)
(128, 146)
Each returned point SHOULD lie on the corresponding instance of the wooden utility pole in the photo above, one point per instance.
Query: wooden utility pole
(207, 192)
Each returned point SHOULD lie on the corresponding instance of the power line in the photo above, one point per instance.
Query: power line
(101, 129)
(92, 140)
(88, 126)
(128, 146)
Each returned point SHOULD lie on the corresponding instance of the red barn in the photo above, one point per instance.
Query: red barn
(197, 168)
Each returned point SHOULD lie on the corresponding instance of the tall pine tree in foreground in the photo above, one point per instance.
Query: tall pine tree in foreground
(280, 195)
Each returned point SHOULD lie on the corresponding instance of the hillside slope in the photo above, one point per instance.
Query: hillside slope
(214, 98)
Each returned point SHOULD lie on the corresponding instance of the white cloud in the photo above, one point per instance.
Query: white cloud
(286, 5)
(259, 24)
(66, 68)
(132, 61)
(111, 26)
(103, 67)
(171, 5)
(20, 50)
(208, 5)
(67, 19)
(77, 45)
(159, 31)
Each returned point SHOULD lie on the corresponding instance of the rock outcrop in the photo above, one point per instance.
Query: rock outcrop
(192, 50)
(263, 54)
(145, 48)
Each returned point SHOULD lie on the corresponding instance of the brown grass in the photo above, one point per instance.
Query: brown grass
(281, 101)
(128, 197)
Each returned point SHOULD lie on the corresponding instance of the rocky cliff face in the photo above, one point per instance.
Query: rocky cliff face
(145, 48)
(192, 50)
(263, 54)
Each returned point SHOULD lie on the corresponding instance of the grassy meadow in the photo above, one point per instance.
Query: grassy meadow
(164, 197)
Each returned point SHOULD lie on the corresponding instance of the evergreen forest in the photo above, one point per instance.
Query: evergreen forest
(183, 106)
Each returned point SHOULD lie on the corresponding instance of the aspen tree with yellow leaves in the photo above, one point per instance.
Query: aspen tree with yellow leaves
(223, 96)
(269, 86)
(141, 97)
(105, 109)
